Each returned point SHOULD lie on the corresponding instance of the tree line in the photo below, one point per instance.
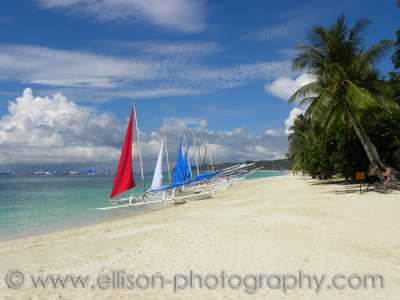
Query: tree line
(352, 118)
(263, 164)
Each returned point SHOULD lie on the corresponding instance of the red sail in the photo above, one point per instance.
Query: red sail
(124, 177)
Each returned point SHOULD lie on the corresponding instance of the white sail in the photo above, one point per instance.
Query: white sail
(157, 178)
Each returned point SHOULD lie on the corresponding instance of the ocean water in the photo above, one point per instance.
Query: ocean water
(36, 204)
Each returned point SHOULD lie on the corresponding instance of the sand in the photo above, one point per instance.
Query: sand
(278, 225)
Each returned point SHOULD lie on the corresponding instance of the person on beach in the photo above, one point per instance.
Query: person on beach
(372, 177)
(388, 176)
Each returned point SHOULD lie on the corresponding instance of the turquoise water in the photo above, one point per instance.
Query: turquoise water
(35, 204)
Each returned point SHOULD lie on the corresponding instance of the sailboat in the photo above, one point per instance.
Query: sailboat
(183, 188)
(40, 172)
(203, 186)
(220, 180)
(125, 181)
(175, 191)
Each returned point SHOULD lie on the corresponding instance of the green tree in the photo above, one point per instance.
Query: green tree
(385, 130)
(299, 141)
(346, 82)
(396, 55)
(330, 151)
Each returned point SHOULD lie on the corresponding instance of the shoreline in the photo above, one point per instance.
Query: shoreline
(90, 224)
(269, 225)
(87, 223)
(120, 214)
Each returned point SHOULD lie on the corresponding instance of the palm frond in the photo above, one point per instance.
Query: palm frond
(309, 58)
(375, 53)
(319, 108)
(307, 101)
(305, 91)
(359, 27)
(359, 97)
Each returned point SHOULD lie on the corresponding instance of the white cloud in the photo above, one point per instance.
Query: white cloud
(278, 32)
(57, 131)
(271, 132)
(292, 116)
(70, 68)
(93, 77)
(285, 87)
(244, 73)
(185, 16)
(163, 92)
(292, 28)
(168, 48)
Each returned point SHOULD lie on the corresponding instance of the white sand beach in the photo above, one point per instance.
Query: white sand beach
(276, 225)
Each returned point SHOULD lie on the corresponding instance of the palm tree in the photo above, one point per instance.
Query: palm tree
(301, 140)
(298, 142)
(346, 85)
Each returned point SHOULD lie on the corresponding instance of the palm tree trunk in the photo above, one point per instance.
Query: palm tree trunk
(372, 147)
(366, 142)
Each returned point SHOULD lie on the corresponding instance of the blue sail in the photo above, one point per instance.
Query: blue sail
(209, 176)
(189, 168)
(185, 163)
(196, 179)
(179, 174)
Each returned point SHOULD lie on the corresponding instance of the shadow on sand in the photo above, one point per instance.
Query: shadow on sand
(353, 187)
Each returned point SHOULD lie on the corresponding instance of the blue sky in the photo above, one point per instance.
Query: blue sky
(219, 68)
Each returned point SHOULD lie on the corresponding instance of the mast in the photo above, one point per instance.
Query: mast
(198, 149)
(140, 150)
(184, 136)
(212, 167)
(185, 163)
(208, 167)
(166, 150)
(194, 146)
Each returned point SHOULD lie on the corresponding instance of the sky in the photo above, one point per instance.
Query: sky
(70, 71)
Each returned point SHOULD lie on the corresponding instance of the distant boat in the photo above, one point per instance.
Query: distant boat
(62, 173)
(48, 173)
(19, 173)
(91, 171)
(74, 173)
(40, 172)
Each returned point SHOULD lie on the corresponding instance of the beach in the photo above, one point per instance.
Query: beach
(277, 225)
